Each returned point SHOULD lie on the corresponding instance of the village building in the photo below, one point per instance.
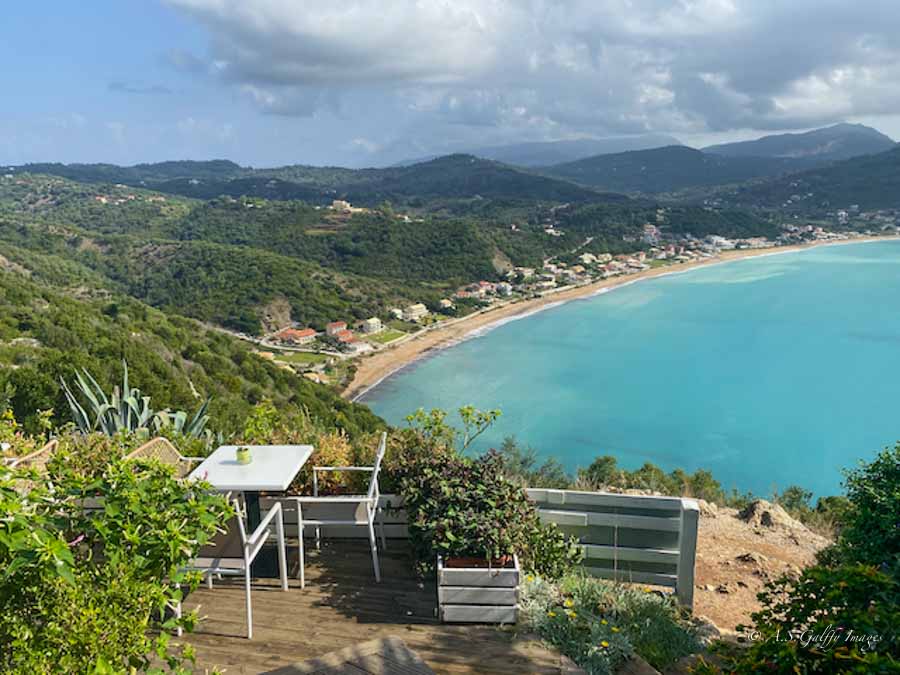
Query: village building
(295, 336)
(504, 288)
(372, 325)
(335, 327)
(415, 312)
(396, 312)
(345, 336)
(341, 205)
(446, 303)
(587, 258)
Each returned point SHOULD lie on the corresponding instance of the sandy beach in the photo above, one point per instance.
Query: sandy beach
(373, 368)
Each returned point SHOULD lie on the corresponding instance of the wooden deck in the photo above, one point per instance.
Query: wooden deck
(342, 606)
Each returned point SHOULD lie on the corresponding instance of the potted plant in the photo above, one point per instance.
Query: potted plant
(242, 455)
(465, 520)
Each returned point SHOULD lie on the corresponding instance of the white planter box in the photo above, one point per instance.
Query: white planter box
(478, 594)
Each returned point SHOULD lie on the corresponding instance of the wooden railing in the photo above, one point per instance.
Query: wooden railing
(646, 540)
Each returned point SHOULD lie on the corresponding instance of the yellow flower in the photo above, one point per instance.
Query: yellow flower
(571, 614)
(615, 630)
(529, 578)
(604, 644)
(648, 590)
(568, 602)
(551, 613)
(603, 621)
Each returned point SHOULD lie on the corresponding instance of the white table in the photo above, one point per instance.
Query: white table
(272, 468)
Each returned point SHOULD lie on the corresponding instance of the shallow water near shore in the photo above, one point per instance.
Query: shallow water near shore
(768, 371)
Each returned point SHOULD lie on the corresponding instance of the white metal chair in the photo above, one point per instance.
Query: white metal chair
(233, 552)
(352, 510)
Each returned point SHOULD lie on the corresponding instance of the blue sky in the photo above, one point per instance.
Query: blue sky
(364, 82)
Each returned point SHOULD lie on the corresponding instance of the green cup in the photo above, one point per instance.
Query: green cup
(243, 455)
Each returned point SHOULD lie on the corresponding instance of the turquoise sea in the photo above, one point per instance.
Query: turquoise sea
(768, 371)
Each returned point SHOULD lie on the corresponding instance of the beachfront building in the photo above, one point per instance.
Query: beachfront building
(345, 336)
(415, 312)
(504, 289)
(335, 327)
(295, 336)
(372, 325)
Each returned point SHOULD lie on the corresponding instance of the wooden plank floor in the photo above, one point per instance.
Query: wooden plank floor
(343, 606)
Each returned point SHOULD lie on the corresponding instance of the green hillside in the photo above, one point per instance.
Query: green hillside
(669, 169)
(237, 262)
(871, 182)
(47, 332)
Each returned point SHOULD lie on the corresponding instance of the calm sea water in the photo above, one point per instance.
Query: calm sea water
(768, 371)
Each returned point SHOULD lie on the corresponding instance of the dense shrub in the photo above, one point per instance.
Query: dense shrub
(466, 507)
(84, 590)
(14, 441)
(871, 532)
(521, 465)
(599, 624)
(604, 472)
(88, 456)
(840, 615)
(267, 425)
(828, 621)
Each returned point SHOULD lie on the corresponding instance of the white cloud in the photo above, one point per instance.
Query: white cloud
(559, 67)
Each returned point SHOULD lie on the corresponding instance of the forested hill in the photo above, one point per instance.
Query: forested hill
(252, 265)
(54, 319)
(669, 169)
(870, 182)
(453, 176)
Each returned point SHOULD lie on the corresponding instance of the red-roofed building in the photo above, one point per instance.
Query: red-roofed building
(297, 336)
(335, 327)
(345, 336)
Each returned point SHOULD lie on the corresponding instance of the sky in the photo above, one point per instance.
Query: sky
(370, 82)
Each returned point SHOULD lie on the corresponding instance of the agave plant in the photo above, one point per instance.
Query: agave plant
(126, 410)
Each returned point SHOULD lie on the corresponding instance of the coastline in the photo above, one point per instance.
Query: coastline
(375, 368)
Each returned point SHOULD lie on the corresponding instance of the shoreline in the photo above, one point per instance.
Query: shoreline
(373, 369)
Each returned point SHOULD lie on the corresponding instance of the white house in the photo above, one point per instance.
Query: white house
(415, 312)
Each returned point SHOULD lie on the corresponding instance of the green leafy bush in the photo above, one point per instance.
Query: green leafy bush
(91, 563)
(871, 532)
(828, 621)
(840, 615)
(466, 507)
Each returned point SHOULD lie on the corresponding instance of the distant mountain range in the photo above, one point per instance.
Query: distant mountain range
(840, 153)
(450, 177)
(674, 168)
(841, 141)
(546, 153)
